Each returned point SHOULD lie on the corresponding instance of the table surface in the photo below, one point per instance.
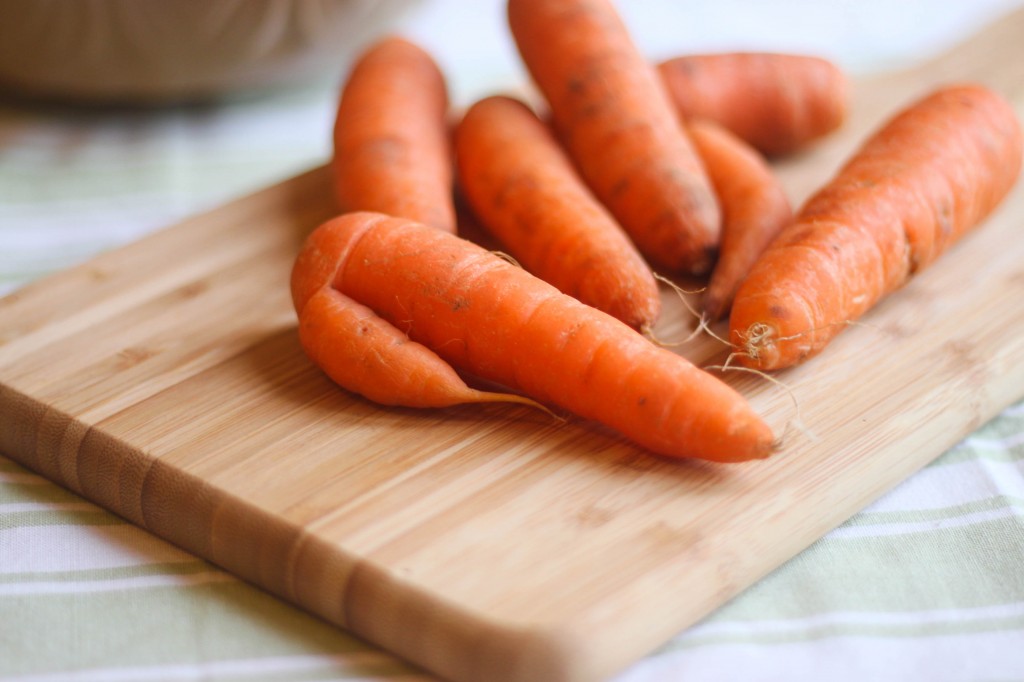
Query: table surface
(924, 584)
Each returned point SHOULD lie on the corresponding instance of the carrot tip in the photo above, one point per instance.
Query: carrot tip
(796, 422)
(494, 397)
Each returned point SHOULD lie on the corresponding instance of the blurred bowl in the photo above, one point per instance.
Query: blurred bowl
(160, 51)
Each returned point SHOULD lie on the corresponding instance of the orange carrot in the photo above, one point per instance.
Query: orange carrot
(392, 149)
(613, 115)
(930, 174)
(489, 318)
(361, 351)
(525, 191)
(754, 208)
(776, 102)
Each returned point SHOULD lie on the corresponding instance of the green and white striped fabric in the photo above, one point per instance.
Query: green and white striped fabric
(926, 584)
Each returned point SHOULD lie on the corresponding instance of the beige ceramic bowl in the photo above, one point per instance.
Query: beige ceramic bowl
(175, 50)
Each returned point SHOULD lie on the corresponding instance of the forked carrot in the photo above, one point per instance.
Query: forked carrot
(392, 149)
(362, 352)
(613, 115)
(926, 177)
(359, 350)
(776, 102)
(489, 318)
(525, 191)
(754, 208)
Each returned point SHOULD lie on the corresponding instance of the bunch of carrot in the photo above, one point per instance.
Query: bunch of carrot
(632, 165)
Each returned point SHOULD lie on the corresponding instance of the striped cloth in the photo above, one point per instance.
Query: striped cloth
(926, 584)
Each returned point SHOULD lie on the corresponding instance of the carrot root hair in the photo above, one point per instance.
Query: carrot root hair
(761, 336)
(702, 320)
(755, 338)
(796, 422)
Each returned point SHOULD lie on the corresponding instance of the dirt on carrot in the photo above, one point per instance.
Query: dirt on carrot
(488, 318)
(926, 177)
(392, 148)
(525, 191)
(779, 103)
(613, 115)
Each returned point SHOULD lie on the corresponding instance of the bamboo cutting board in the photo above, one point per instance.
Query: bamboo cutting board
(164, 381)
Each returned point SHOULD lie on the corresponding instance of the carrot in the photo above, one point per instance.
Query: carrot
(754, 208)
(778, 103)
(489, 318)
(614, 117)
(525, 191)
(362, 352)
(931, 173)
(392, 149)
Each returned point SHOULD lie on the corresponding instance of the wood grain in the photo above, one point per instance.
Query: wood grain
(164, 381)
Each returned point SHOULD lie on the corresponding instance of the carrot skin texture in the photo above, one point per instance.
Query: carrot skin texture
(392, 148)
(494, 320)
(613, 115)
(526, 192)
(755, 208)
(931, 173)
(779, 103)
(362, 352)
